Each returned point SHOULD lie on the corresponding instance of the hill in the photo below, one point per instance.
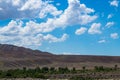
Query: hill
(14, 56)
(17, 57)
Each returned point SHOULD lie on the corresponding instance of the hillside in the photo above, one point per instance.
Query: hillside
(13, 56)
(17, 57)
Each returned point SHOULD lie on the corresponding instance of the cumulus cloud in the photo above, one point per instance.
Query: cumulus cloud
(40, 9)
(114, 35)
(17, 34)
(109, 24)
(74, 14)
(102, 41)
(80, 31)
(31, 33)
(51, 38)
(12, 34)
(95, 29)
(27, 9)
(77, 13)
(114, 3)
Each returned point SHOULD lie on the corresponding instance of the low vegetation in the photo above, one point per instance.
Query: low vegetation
(99, 72)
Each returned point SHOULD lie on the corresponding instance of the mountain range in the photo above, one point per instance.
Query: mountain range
(17, 57)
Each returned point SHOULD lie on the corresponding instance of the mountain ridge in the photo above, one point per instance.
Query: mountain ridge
(16, 57)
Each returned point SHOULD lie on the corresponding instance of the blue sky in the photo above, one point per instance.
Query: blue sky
(80, 27)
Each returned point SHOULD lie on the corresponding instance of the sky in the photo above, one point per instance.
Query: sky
(77, 27)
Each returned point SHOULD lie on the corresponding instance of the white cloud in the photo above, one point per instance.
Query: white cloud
(102, 41)
(12, 34)
(31, 4)
(19, 40)
(77, 13)
(49, 9)
(80, 31)
(16, 2)
(40, 9)
(27, 9)
(114, 35)
(51, 38)
(74, 14)
(95, 29)
(31, 33)
(110, 16)
(114, 3)
(27, 36)
(109, 24)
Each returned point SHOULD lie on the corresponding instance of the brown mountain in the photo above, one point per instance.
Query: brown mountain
(17, 57)
(13, 56)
